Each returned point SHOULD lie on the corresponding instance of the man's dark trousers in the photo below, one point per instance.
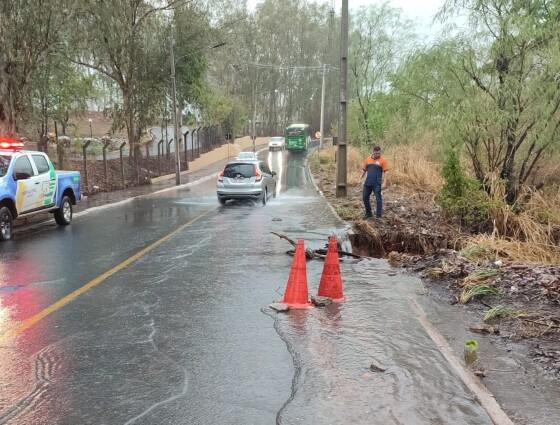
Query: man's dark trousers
(376, 189)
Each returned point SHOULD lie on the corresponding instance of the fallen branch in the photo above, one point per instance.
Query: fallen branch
(536, 322)
(284, 237)
(317, 253)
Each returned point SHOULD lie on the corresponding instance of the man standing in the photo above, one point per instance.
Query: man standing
(375, 166)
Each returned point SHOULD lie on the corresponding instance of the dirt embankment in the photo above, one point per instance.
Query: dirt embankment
(515, 300)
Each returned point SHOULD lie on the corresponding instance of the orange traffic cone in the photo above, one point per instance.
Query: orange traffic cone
(331, 282)
(296, 295)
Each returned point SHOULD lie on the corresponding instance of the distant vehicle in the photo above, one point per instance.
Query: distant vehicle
(30, 185)
(297, 137)
(247, 156)
(246, 179)
(276, 143)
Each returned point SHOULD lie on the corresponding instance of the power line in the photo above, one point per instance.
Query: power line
(289, 67)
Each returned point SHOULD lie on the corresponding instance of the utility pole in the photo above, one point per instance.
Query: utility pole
(175, 130)
(321, 129)
(254, 120)
(255, 111)
(341, 155)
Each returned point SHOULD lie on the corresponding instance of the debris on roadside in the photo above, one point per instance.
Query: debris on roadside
(375, 367)
(279, 307)
(321, 301)
(480, 373)
(470, 352)
(310, 254)
(485, 329)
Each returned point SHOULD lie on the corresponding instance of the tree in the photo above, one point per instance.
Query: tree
(273, 59)
(31, 31)
(510, 115)
(378, 41)
(126, 41)
(60, 91)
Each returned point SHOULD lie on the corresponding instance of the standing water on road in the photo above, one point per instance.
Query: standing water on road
(334, 348)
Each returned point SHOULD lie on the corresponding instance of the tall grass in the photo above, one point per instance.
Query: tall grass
(413, 166)
(526, 231)
(519, 251)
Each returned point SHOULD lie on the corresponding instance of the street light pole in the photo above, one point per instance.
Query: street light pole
(175, 130)
(321, 129)
(254, 120)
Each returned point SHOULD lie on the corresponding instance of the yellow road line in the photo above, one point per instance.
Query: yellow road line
(26, 324)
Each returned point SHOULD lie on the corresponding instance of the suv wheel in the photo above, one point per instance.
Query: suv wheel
(63, 215)
(6, 222)
(264, 197)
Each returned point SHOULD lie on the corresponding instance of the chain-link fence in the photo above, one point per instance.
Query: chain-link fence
(106, 164)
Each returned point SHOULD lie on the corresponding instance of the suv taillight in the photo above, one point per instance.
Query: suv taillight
(221, 176)
(258, 175)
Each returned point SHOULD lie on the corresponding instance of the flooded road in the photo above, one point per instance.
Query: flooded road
(183, 334)
(335, 347)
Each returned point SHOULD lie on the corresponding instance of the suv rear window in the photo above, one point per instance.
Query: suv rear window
(239, 170)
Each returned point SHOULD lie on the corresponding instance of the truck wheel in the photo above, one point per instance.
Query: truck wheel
(63, 215)
(6, 221)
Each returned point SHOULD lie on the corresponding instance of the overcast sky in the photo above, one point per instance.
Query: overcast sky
(421, 11)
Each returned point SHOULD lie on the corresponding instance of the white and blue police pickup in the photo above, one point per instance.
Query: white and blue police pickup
(30, 185)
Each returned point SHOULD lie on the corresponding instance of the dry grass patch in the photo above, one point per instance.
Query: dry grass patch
(480, 276)
(412, 166)
(518, 251)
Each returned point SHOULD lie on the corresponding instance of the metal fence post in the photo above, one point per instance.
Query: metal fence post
(169, 142)
(159, 154)
(207, 139)
(59, 149)
(122, 162)
(148, 160)
(198, 142)
(84, 153)
(186, 141)
(106, 144)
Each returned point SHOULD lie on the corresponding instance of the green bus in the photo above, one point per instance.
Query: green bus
(297, 137)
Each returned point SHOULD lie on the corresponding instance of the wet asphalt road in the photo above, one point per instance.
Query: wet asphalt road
(184, 335)
(177, 337)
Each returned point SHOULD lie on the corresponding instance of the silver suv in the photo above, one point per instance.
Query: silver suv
(246, 179)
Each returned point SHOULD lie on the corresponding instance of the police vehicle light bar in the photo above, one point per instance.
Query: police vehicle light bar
(10, 144)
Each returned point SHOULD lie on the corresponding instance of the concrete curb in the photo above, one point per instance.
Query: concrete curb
(482, 394)
(320, 192)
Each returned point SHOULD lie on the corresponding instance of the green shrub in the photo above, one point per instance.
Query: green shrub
(461, 197)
